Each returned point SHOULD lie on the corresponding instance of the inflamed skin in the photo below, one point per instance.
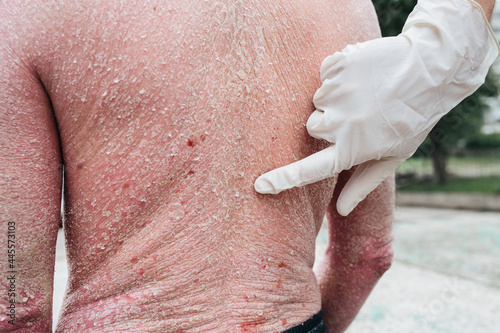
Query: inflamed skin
(164, 113)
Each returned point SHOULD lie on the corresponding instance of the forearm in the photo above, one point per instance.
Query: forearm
(30, 198)
(30, 212)
(26, 290)
(358, 254)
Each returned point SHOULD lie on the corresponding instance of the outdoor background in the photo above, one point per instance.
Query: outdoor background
(462, 153)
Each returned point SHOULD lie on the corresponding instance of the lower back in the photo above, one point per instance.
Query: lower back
(163, 136)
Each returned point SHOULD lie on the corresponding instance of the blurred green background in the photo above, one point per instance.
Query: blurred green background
(462, 153)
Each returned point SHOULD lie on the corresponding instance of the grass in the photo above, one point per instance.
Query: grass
(469, 174)
(462, 166)
(487, 185)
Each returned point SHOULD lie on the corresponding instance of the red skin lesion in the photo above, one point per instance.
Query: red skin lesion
(359, 253)
(252, 326)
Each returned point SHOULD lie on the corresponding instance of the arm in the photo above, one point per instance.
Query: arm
(30, 194)
(358, 253)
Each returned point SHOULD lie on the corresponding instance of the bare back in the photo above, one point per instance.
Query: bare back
(167, 112)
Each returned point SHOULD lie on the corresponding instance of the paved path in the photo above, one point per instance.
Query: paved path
(445, 276)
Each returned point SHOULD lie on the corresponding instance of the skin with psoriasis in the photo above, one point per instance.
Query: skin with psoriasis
(164, 114)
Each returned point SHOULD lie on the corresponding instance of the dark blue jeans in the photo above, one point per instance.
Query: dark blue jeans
(314, 324)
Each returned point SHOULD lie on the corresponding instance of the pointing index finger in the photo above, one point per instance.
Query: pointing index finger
(316, 167)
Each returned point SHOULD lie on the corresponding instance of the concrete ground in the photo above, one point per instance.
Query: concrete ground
(445, 276)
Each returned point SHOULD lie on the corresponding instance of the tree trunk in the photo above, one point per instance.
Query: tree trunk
(439, 164)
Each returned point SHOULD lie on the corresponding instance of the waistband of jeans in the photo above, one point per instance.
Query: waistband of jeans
(314, 324)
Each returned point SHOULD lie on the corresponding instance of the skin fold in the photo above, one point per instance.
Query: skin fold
(164, 114)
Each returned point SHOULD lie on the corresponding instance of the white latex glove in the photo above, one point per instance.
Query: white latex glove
(380, 99)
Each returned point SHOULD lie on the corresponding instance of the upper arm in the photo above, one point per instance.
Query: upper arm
(30, 189)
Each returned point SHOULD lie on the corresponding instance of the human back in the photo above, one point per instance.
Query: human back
(167, 112)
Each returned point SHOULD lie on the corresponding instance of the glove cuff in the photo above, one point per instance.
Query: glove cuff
(492, 42)
(466, 26)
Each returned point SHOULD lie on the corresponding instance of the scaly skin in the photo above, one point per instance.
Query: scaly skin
(165, 113)
(358, 253)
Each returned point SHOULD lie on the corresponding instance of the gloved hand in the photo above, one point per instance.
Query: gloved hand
(379, 99)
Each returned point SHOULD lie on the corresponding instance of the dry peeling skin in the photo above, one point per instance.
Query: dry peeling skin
(167, 112)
